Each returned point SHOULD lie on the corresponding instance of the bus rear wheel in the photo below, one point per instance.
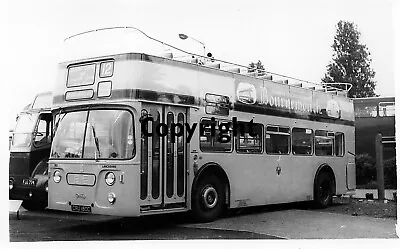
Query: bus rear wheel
(208, 199)
(323, 190)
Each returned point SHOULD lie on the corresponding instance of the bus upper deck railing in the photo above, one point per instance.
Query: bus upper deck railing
(209, 61)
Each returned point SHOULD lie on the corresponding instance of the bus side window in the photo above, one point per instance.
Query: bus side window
(323, 143)
(210, 143)
(245, 142)
(277, 140)
(43, 130)
(302, 140)
(339, 144)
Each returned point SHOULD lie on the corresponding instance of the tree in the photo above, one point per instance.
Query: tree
(257, 66)
(351, 63)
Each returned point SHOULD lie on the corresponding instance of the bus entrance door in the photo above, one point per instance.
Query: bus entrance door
(163, 157)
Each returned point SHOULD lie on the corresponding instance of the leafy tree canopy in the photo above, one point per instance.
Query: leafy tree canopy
(350, 62)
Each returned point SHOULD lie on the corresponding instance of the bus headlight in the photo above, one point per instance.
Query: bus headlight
(57, 176)
(46, 187)
(110, 178)
(111, 198)
(11, 183)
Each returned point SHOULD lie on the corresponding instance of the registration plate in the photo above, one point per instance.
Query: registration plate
(29, 182)
(81, 209)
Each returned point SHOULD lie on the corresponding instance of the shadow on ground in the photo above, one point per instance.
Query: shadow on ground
(169, 226)
(166, 226)
(157, 227)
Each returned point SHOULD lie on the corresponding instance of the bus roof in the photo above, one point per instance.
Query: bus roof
(42, 101)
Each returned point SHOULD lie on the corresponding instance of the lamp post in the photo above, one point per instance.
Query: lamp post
(184, 37)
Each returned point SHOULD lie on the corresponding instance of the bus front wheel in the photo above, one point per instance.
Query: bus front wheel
(323, 190)
(208, 199)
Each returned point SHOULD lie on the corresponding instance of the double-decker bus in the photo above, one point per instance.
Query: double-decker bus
(372, 116)
(29, 153)
(140, 133)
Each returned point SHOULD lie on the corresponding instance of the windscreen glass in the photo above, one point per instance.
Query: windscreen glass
(94, 134)
(24, 128)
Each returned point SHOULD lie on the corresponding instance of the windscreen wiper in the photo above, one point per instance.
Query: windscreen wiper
(96, 142)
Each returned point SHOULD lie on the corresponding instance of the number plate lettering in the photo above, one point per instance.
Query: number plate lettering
(30, 182)
(81, 209)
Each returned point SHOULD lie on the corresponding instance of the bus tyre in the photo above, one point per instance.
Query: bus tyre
(34, 205)
(323, 190)
(208, 199)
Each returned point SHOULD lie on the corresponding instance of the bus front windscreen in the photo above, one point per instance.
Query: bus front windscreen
(94, 134)
(24, 128)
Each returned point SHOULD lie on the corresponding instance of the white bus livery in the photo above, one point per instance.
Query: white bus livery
(142, 133)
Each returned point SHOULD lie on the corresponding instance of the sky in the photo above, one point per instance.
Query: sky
(293, 38)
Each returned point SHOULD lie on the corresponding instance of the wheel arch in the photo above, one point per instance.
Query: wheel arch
(41, 165)
(213, 168)
(326, 168)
